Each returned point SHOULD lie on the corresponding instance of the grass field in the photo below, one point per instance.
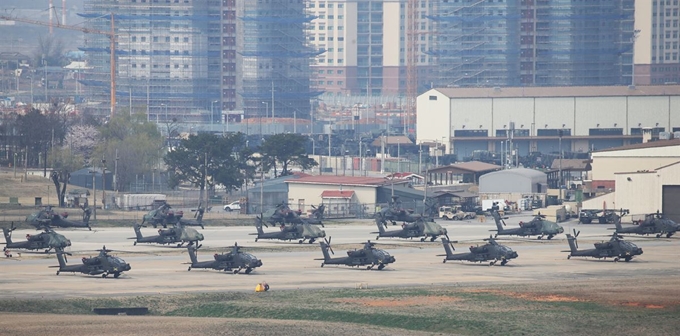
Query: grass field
(510, 310)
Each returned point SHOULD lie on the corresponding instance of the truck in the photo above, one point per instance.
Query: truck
(488, 204)
(451, 212)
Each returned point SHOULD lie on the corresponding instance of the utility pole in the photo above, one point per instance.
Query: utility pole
(559, 180)
(103, 184)
(115, 173)
(94, 191)
(205, 179)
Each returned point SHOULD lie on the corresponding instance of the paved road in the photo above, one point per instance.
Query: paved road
(161, 269)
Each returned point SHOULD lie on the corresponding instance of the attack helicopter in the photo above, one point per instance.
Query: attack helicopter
(419, 229)
(163, 216)
(654, 223)
(368, 256)
(103, 264)
(234, 261)
(395, 213)
(282, 214)
(177, 234)
(299, 232)
(47, 240)
(538, 226)
(489, 251)
(615, 248)
(47, 217)
(198, 221)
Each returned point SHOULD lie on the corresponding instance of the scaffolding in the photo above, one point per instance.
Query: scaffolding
(167, 58)
(275, 58)
(533, 43)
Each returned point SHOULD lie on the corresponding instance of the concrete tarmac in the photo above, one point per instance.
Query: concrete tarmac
(289, 265)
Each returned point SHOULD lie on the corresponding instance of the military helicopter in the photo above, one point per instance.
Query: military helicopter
(489, 251)
(198, 221)
(103, 264)
(299, 232)
(233, 261)
(368, 256)
(420, 229)
(652, 224)
(163, 216)
(395, 213)
(177, 234)
(616, 247)
(47, 217)
(45, 240)
(282, 214)
(538, 226)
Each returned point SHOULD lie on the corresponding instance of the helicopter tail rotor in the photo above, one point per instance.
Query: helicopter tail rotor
(576, 233)
(328, 243)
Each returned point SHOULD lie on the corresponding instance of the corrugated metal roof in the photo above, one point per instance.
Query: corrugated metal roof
(531, 173)
(470, 166)
(571, 164)
(651, 144)
(347, 180)
(394, 140)
(337, 194)
(560, 91)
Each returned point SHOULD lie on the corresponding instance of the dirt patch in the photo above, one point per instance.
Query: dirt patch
(530, 296)
(400, 302)
(643, 305)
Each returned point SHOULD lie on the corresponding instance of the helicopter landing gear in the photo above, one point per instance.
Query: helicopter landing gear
(189, 269)
(57, 272)
(377, 237)
(116, 275)
(322, 264)
(256, 240)
(422, 239)
(369, 267)
(47, 251)
(311, 240)
(627, 259)
(540, 237)
(658, 235)
(301, 241)
(248, 270)
(550, 236)
(444, 262)
(496, 235)
(668, 235)
(179, 245)
(134, 244)
(504, 262)
(381, 266)
(568, 257)
(492, 263)
(616, 259)
(433, 238)
(104, 275)
(236, 271)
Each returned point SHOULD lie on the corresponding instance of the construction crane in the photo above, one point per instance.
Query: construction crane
(111, 34)
(411, 60)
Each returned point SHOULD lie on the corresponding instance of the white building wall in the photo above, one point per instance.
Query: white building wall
(471, 114)
(666, 151)
(555, 112)
(674, 105)
(604, 168)
(640, 195)
(602, 111)
(434, 117)
(391, 34)
(647, 112)
(505, 110)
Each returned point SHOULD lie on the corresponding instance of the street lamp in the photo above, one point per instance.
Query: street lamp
(266, 114)
(15, 165)
(212, 112)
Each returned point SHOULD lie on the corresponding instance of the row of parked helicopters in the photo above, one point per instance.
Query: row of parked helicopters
(294, 227)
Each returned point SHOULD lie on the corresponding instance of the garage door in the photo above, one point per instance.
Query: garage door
(671, 202)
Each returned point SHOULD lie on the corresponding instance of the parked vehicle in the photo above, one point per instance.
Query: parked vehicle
(236, 205)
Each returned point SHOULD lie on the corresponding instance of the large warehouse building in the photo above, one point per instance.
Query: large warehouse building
(589, 118)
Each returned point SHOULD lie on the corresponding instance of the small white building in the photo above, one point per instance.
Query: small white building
(513, 184)
(342, 195)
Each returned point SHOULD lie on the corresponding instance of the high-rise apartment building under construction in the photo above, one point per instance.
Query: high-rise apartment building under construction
(191, 60)
(534, 42)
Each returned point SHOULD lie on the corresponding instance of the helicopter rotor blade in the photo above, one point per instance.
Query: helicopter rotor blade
(328, 243)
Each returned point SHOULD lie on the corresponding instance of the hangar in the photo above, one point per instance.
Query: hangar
(513, 184)
(648, 191)
(585, 118)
